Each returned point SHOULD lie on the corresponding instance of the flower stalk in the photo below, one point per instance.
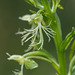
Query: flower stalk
(45, 21)
(60, 52)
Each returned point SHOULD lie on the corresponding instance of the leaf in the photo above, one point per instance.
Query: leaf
(71, 66)
(59, 6)
(32, 11)
(30, 64)
(72, 50)
(73, 70)
(65, 43)
(55, 4)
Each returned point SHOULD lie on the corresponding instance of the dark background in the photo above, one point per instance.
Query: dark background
(10, 10)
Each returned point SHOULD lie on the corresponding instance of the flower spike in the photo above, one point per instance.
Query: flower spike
(36, 36)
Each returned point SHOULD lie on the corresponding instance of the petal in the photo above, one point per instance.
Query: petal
(25, 18)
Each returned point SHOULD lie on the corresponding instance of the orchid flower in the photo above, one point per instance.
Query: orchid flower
(35, 34)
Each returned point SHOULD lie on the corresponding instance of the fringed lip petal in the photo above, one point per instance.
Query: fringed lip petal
(36, 36)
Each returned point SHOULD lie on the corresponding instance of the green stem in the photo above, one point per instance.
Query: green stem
(45, 59)
(43, 56)
(58, 40)
(61, 58)
(46, 5)
(61, 53)
(35, 53)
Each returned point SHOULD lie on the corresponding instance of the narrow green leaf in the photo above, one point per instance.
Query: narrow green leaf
(32, 11)
(46, 5)
(71, 66)
(30, 64)
(68, 39)
(55, 4)
(73, 70)
(72, 50)
(59, 6)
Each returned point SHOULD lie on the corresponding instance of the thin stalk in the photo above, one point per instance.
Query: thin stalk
(61, 53)
(35, 53)
(45, 59)
(61, 58)
(43, 56)
(58, 40)
(46, 5)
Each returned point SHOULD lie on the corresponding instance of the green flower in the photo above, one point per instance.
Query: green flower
(35, 34)
(34, 18)
(46, 4)
(18, 58)
(29, 63)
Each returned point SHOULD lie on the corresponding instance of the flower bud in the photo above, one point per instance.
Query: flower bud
(18, 58)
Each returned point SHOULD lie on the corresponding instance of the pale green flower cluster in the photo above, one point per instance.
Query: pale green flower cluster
(41, 23)
(20, 60)
(35, 34)
(28, 63)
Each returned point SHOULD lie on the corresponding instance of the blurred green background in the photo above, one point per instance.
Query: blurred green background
(10, 10)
